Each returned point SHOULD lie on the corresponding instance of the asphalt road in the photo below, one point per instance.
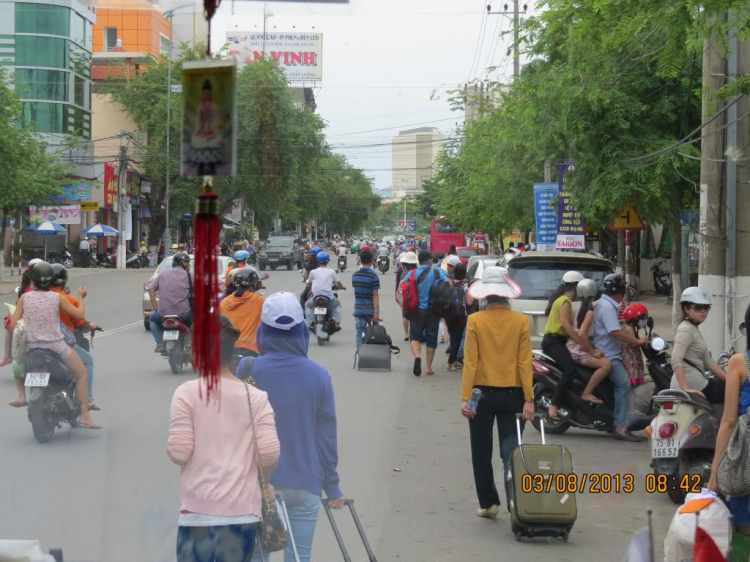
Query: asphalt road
(404, 457)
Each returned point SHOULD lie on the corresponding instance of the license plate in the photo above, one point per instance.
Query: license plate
(171, 335)
(663, 448)
(37, 379)
(321, 310)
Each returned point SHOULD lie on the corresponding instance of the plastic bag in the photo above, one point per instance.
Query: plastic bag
(714, 519)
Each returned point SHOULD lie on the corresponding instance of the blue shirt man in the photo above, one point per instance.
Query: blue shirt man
(366, 285)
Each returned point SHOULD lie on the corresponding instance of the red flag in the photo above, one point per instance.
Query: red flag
(705, 549)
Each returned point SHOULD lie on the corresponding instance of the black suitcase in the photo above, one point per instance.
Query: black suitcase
(551, 511)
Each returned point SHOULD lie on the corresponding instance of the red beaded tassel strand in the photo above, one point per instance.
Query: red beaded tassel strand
(206, 311)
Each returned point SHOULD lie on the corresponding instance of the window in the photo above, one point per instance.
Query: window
(41, 51)
(42, 84)
(538, 278)
(42, 18)
(44, 117)
(110, 38)
(80, 125)
(79, 91)
(164, 51)
(80, 61)
(78, 30)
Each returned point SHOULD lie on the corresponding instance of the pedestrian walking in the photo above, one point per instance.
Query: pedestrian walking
(456, 318)
(366, 285)
(423, 324)
(84, 251)
(497, 361)
(301, 394)
(215, 445)
(406, 263)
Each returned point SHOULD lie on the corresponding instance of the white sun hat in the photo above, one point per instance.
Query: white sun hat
(495, 281)
(454, 261)
(409, 257)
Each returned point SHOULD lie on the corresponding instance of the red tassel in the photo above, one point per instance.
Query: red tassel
(205, 310)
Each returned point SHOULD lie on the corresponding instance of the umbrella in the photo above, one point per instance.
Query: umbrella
(100, 230)
(47, 227)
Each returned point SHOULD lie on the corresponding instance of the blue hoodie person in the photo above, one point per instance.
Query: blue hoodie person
(301, 394)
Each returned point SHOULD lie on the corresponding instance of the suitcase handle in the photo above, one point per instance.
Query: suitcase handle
(350, 504)
(518, 426)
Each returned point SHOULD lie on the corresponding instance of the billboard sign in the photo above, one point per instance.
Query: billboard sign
(77, 192)
(64, 214)
(299, 54)
(110, 187)
(571, 230)
(409, 225)
(545, 214)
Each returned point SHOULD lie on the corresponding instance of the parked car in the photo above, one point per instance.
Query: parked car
(476, 265)
(539, 273)
(224, 262)
(466, 252)
(282, 251)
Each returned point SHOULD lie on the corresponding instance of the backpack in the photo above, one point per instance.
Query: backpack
(442, 296)
(407, 295)
(456, 308)
(376, 334)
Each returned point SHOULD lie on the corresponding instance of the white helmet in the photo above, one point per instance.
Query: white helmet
(586, 288)
(695, 295)
(572, 277)
(33, 262)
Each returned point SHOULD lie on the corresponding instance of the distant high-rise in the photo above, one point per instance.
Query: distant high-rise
(414, 153)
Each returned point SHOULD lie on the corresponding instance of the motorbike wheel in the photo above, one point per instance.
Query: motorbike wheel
(554, 428)
(677, 496)
(175, 358)
(262, 267)
(41, 425)
(632, 293)
(321, 341)
(67, 263)
(290, 265)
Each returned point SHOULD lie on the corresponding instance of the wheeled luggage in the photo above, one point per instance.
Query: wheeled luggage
(376, 349)
(542, 503)
(360, 529)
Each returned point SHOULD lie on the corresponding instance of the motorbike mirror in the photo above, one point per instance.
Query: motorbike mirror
(743, 329)
(650, 323)
(658, 344)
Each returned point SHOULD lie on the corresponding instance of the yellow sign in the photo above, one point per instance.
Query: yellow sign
(628, 219)
(89, 205)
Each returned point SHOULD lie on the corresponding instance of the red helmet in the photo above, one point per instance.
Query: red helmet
(634, 311)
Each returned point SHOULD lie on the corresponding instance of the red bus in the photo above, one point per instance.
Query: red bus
(443, 236)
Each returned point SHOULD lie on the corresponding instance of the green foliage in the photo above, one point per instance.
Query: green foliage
(30, 175)
(285, 166)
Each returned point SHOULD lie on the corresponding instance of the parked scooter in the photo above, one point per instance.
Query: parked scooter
(581, 414)
(132, 260)
(662, 279)
(683, 438)
(177, 343)
(342, 263)
(63, 257)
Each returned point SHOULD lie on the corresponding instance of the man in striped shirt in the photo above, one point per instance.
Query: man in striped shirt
(366, 285)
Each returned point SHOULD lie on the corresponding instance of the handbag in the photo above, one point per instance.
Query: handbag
(733, 473)
(271, 530)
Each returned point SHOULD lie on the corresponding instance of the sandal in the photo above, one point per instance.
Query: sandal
(17, 404)
(94, 408)
(89, 425)
(593, 401)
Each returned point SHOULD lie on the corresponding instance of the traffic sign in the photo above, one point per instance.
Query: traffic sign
(176, 88)
(628, 219)
(409, 225)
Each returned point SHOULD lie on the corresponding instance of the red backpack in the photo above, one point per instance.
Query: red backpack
(407, 295)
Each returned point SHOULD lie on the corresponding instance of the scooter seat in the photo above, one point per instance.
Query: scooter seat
(693, 398)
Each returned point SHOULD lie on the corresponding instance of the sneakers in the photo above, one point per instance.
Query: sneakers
(489, 513)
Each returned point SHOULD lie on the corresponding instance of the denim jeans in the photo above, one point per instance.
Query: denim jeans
(303, 508)
(88, 362)
(335, 305)
(621, 381)
(461, 347)
(360, 323)
(157, 329)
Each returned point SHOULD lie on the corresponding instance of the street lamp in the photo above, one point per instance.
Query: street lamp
(169, 14)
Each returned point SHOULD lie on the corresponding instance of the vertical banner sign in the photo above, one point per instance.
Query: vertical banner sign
(110, 186)
(571, 230)
(209, 134)
(545, 213)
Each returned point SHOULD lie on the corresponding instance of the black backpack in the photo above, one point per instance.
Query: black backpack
(441, 295)
(456, 309)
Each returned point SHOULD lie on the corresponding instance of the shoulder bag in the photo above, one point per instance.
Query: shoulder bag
(271, 529)
(733, 474)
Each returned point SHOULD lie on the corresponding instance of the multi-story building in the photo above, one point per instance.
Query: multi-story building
(414, 153)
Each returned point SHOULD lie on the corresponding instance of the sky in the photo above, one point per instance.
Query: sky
(387, 64)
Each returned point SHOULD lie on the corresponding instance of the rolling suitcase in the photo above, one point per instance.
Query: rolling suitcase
(540, 504)
(360, 529)
(376, 349)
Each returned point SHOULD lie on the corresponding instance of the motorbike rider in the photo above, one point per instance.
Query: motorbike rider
(243, 309)
(174, 249)
(322, 282)
(40, 310)
(384, 252)
(558, 330)
(59, 281)
(690, 354)
(584, 353)
(635, 318)
(312, 263)
(609, 337)
(175, 288)
(342, 250)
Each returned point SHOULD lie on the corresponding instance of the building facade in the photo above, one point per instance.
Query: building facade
(46, 46)
(414, 153)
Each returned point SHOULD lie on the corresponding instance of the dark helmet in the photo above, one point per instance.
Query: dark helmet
(245, 277)
(61, 274)
(614, 284)
(180, 258)
(42, 275)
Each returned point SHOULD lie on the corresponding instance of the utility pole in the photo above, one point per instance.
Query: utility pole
(121, 251)
(515, 15)
(167, 233)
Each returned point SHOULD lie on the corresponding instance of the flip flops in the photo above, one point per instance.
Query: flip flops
(15, 404)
